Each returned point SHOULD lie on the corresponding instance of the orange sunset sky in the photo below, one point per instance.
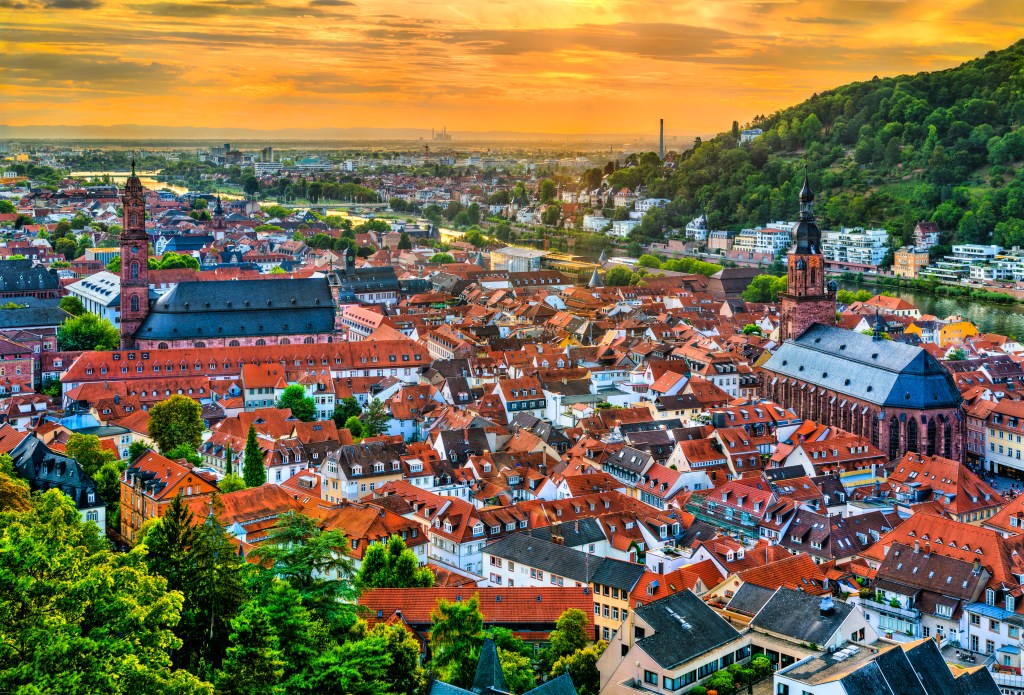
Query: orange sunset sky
(565, 66)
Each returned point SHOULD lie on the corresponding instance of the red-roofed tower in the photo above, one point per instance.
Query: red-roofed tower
(134, 260)
(807, 300)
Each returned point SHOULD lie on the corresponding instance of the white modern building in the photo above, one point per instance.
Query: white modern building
(855, 246)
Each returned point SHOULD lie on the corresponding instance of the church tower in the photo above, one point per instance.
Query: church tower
(219, 223)
(807, 300)
(134, 260)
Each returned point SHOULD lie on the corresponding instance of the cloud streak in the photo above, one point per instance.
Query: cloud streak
(540, 65)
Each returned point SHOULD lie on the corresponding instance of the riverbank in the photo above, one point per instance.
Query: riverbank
(977, 294)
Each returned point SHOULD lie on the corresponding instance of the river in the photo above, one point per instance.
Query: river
(119, 177)
(1004, 319)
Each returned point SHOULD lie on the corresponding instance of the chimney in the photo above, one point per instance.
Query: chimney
(977, 566)
(917, 546)
(825, 608)
(927, 549)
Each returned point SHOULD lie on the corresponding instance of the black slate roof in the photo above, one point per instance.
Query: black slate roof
(684, 628)
(899, 674)
(566, 562)
(576, 533)
(867, 680)
(882, 372)
(45, 469)
(20, 276)
(927, 662)
(241, 308)
(796, 615)
(750, 598)
(32, 316)
(489, 677)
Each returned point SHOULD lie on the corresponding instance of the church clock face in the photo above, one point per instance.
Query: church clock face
(135, 249)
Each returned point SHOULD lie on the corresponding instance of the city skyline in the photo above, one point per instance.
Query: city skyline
(540, 66)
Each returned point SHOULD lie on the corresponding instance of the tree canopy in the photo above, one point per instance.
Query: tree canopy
(392, 565)
(176, 421)
(76, 617)
(87, 332)
(302, 406)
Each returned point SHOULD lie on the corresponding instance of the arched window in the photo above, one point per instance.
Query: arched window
(912, 439)
(284, 341)
(894, 438)
(308, 340)
(261, 341)
(233, 343)
(133, 219)
(947, 441)
(198, 343)
(932, 445)
(159, 346)
(135, 270)
(135, 302)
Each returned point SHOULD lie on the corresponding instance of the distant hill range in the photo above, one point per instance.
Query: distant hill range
(140, 132)
(889, 152)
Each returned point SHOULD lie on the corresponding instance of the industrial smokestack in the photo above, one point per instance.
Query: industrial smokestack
(661, 138)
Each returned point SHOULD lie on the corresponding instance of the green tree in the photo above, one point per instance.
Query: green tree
(251, 185)
(392, 565)
(619, 276)
(581, 666)
(136, 449)
(175, 421)
(570, 634)
(14, 492)
(302, 406)
(552, 214)
(87, 332)
(346, 408)
(361, 667)
(721, 682)
(254, 662)
(231, 482)
(299, 633)
(648, 260)
(355, 426)
(316, 563)
(504, 638)
(229, 460)
(76, 617)
(957, 355)
(253, 469)
(548, 190)
(184, 452)
(67, 246)
(168, 541)
(518, 671)
(88, 450)
(441, 258)
(375, 418)
(72, 305)
(764, 288)
(404, 242)
(456, 635)
(752, 329)
(476, 238)
(7, 208)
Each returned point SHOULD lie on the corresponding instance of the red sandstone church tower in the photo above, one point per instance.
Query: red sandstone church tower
(134, 260)
(807, 299)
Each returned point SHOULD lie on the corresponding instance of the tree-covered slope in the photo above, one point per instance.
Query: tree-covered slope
(890, 151)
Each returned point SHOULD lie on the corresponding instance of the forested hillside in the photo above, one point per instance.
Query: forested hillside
(887, 152)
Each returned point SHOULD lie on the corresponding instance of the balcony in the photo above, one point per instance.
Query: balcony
(884, 607)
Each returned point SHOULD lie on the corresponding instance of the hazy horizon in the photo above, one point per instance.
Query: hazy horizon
(552, 67)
